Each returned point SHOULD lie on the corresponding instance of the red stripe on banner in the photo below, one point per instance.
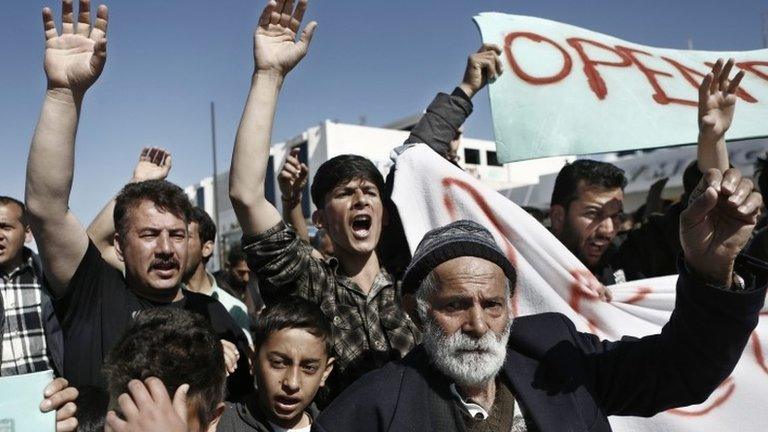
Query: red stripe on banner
(731, 386)
(642, 293)
(757, 349)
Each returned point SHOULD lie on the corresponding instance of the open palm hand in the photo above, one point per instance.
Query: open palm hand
(75, 58)
(275, 46)
(154, 164)
(717, 99)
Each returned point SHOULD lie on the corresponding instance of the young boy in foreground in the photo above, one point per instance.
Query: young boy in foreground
(293, 345)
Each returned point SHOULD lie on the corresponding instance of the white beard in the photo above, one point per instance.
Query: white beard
(478, 366)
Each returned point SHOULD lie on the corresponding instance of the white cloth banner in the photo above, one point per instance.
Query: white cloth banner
(568, 90)
(430, 192)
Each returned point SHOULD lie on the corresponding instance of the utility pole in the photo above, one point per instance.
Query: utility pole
(215, 186)
(690, 43)
(765, 29)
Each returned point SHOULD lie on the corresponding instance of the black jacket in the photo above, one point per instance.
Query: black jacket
(571, 381)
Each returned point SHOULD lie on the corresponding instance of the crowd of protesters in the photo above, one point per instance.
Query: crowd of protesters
(346, 331)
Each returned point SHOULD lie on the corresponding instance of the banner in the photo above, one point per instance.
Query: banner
(551, 279)
(567, 90)
(20, 398)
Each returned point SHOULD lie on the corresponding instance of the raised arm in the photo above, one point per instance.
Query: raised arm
(154, 164)
(292, 180)
(74, 60)
(439, 127)
(717, 102)
(276, 52)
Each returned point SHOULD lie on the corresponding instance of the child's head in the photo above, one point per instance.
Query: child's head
(293, 359)
(178, 347)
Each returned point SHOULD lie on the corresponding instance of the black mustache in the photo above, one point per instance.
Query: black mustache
(165, 263)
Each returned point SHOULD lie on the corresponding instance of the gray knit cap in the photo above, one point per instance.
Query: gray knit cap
(457, 239)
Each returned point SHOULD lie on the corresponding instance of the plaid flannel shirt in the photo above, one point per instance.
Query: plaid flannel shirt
(24, 347)
(369, 329)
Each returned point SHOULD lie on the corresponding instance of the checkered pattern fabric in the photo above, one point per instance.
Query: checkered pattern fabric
(23, 336)
(369, 329)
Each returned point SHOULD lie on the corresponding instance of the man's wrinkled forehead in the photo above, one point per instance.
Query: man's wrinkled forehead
(468, 270)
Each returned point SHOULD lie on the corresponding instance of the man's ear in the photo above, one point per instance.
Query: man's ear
(217, 413)
(557, 218)
(328, 370)
(318, 218)
(28, 235)
(118, 248)
(207, 249)
(411, 307)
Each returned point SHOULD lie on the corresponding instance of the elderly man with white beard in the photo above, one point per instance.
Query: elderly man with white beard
(477, 369)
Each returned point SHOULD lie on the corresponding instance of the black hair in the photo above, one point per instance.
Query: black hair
(92, 405)
(691, 178)
(340, 170)
(6, 200)
(235, 254)
(163, 194)
(761, 171)
(594, 173)
(206, 229)
(293, 313)
(176, 346)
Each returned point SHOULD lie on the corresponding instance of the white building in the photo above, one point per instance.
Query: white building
(644, 168)
(320, 143)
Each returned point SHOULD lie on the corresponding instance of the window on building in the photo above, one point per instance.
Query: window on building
(305, 197)
(200, 197)
(472, 156)
(269, 184)
(493, 160)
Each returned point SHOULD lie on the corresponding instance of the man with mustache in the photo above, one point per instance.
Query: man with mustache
(478, 369)
(94, 302)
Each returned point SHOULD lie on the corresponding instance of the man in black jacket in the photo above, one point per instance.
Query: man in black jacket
(476, 369)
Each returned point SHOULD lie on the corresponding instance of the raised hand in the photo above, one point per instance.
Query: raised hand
(292, 178)
(717, 100)
(148, 408)
(275, 47)
(482, 67)
(154, 164)
(717, 224)
(75, 58)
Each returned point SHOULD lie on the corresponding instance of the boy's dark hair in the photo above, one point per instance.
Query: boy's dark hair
(176, 346)
(593, 173)
(164, 194)
(92, 404)
(342, 169)
(293, 313)
(235, 254)
(206, 229)
(6, 200)
(761, 171)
